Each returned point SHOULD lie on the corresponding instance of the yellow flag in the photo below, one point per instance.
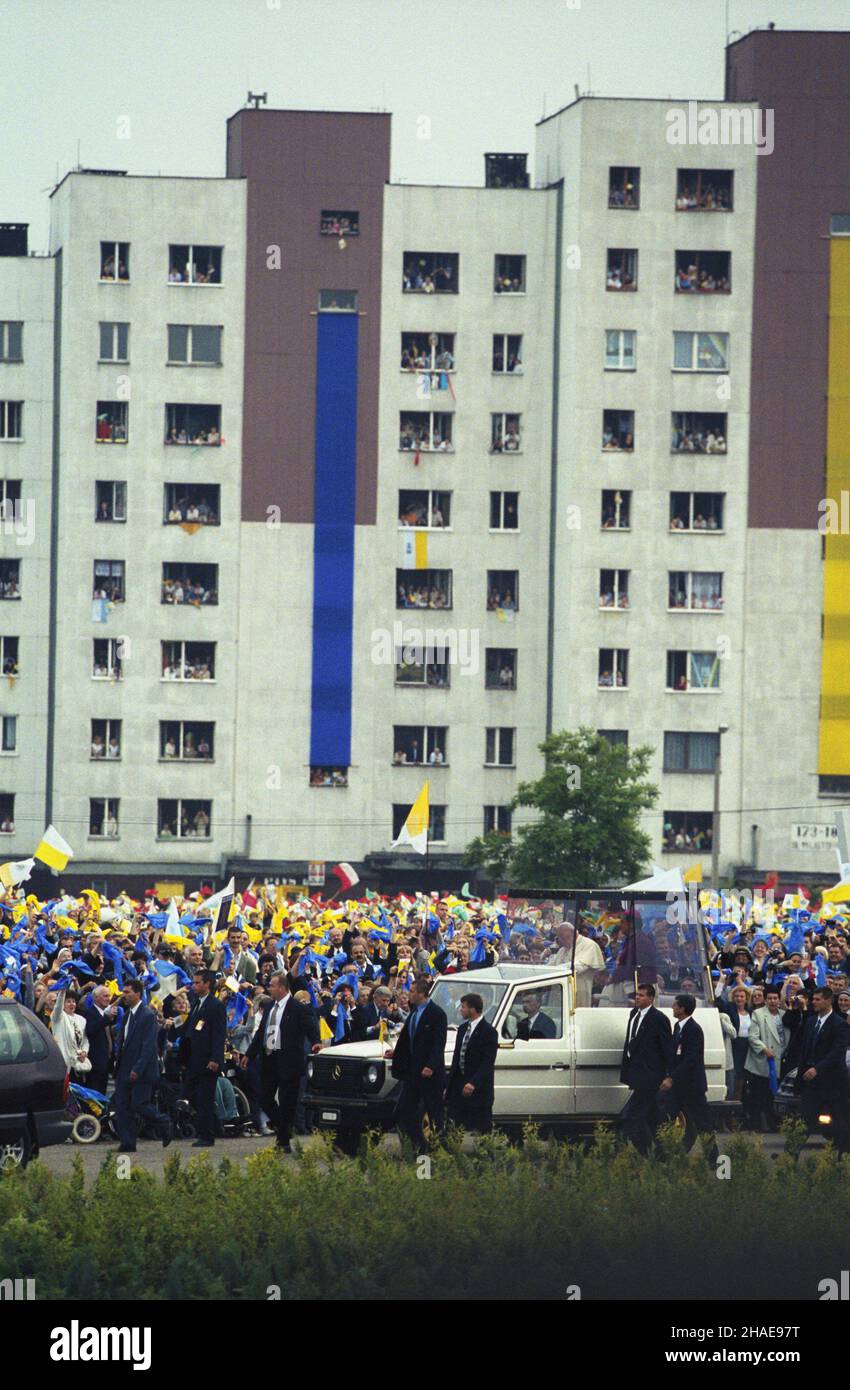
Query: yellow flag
(693, 874)
(325, 1033)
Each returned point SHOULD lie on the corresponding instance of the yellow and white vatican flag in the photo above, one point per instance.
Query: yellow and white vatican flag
(414, 550)
(18, 872)
(414, 832)
(52, 850)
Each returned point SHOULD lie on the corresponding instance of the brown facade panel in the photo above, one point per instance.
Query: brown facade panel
(299, 163)
(804, 78)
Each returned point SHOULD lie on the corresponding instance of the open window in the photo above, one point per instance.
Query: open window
(509, 274)
(623, 186)
(703, 272)
(193, 424)
(339, 224)
(115, 260)
(196, 585)
(622, 269)
(616, 510)
(423, 588)
(503, 592)
(430, 272)
(500, 668)
(698, 432)
(192, 264)
(191, 504)
(704, 190)
(536, 1015)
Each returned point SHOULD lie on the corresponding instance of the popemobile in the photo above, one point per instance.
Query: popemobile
(561, 1034)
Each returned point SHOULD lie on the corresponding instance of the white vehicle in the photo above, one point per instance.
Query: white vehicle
(558, 1064)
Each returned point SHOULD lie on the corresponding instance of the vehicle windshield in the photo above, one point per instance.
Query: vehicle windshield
(448, 993)
(19, 1040)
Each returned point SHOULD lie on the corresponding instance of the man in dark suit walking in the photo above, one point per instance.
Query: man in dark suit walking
(137, 1072)
(279, 1043)
(418, 1061)
(202, 1054)
(99, 1014)
(470, 1089)
(822, 1071)
(686, 1086)
(647, 1060)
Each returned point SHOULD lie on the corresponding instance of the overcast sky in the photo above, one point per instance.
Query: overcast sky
(147, 86)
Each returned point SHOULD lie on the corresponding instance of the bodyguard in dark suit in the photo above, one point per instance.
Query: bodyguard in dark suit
(419, 1062)
(137, 1072)
(647, 1061)
(99, 1018)
(279, 1042)
(202, 1054)
(822, 1071)
(686, 1086)
(470, 1090)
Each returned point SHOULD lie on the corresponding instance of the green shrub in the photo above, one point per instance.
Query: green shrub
(504, 1222)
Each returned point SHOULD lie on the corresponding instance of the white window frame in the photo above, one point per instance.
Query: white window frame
(690, 688)
(618, 592)
(123, 419)
(505, 340)
(430, 447)
(616, 652)
(690, 530)
(182, 680)
(497, 810)
(206, 802)
(695, 367)
(423, 684)
(179, 756)
(116, 256)
(115, 325)
(8, 419)
(502, 494)
(113, 483)
(498, 730)
(11, 719)
(5, 326)
(113, 673)
(689, 608)
(107, 733)
(502, 416)
(190, 360)
(514, 256)
(621, 365)
(112, 803)
(196, 284)
(435, 349)
(432, 493)
(617, 529)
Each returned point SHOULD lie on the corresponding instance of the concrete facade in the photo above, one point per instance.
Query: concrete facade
(284, 169)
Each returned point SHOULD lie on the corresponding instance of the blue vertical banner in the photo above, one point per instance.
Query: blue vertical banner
(333, 540)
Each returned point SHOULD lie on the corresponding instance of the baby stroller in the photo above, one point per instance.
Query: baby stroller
(90, 1112)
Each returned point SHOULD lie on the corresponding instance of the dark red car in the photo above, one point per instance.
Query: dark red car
(33, 1087)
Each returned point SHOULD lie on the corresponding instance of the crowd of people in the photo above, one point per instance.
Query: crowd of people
(418, 278)
(418, 437)
(417, 359)
(704, 198)
(216, 978)
(180, 435)
(687, 837)
(328, 776)
(690, 279)
(697, 441)
(187, 509)
(412, 595)
(188, 590)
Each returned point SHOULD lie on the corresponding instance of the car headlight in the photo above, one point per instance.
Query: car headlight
(310, 1070)
(372, 1074)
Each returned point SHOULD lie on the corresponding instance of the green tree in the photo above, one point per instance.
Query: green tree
(587, 833)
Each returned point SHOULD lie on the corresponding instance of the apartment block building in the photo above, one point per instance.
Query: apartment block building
(341, 483)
